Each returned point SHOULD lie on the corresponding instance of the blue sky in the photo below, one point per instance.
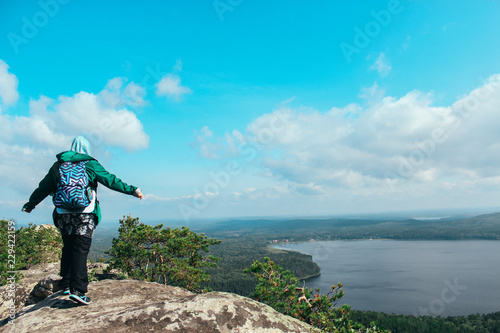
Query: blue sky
(234, 108)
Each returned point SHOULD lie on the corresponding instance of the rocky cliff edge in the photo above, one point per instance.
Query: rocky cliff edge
(136, 306)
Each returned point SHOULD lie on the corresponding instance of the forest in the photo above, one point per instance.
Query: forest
(238, 254)
(244, 241)
(247, 240)
(477, 323)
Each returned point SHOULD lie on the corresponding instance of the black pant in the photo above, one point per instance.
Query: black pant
(74, 262)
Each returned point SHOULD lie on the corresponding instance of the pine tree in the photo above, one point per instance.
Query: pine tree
(169, 256)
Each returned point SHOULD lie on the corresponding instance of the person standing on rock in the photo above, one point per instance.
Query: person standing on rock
(72, 181)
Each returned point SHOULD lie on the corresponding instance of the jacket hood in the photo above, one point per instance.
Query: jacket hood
(81, 145)
(71, 156)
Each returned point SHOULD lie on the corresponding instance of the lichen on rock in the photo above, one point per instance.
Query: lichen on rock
(137, 306)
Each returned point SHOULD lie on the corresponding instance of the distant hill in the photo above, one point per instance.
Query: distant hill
(486, 226)
(482, 220)
(479, 227)
(248, 240)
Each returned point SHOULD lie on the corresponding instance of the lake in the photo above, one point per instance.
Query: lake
(438, 278)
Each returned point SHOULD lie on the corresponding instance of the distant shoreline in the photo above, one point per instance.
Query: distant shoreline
(384, 239)
(309, 276)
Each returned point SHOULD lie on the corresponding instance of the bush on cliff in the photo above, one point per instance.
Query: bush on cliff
(26, 247)
(169, 256)
(280, 289)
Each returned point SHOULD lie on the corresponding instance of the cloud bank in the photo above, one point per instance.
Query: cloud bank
(29, 142)
(390, 145)
(103, 117)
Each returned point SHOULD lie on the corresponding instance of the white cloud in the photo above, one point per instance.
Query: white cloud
(115, 94)
(373, 94)
(86, 112)
(391, 144)
(28, 144)
(310, 189)
(185, 198)
(178, 66)
(103, 118)
(8, 86)
(381, 65)
(170, 85)
(21, 166)
(211, 147)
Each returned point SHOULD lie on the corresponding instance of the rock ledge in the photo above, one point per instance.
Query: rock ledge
(136, 306)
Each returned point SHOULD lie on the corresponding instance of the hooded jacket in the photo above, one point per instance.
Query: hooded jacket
(95, 171)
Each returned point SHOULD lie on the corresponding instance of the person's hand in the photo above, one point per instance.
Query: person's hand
(25, 209)
(138, 193)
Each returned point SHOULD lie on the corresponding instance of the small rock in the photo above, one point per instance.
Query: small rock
(43, 289)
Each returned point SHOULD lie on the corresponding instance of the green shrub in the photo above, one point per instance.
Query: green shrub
(169, 256)
(280, 289)
(26, 247)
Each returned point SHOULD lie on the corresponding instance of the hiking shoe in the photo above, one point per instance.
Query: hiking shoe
(66, 291)
(80, 297)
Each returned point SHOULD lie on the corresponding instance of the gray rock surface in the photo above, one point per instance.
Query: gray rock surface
(25, 287)
(136, 306)
(43, 289)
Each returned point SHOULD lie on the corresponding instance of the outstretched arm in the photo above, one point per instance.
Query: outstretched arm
(112, 182)
(46, 187)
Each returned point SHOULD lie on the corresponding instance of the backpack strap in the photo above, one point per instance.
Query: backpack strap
(55, 172)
